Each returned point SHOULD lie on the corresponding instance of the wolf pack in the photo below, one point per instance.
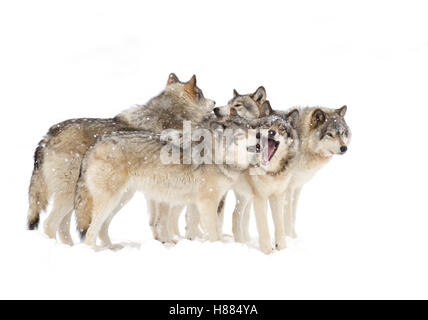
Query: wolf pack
(185, 154)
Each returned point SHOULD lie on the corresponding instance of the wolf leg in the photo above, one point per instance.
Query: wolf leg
(295, 201)
(220, 216)
(277, 206)
(104, 234)
(151, 206)
(192, 223)
(101, 211)
(63, 204)
(238, 217)
(262, 224)
(207, 208)
(288, 211)
(246, 222)
(64, 230)
(173, 221)
(162, 221)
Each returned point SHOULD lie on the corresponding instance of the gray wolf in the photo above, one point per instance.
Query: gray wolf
(246, 106)
(249, 106)
(323, 133)
(270, 181)
(269, 184)
(119, 164)
(59, 154)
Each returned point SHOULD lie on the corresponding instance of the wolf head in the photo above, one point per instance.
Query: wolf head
(328, 133)
(277, 140)
(251, 142)
(188, 92)
(249, 106)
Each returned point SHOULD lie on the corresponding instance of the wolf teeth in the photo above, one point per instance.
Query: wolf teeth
(109, 159)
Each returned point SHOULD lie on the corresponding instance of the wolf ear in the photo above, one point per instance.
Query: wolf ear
(260, 95)
(318, 118)
(266, 109)
(292, 116)
(342, 111)
(191, 84)
(172, 78)
(235, 93)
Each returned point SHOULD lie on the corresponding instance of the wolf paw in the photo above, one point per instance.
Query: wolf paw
(239, 238)
(67, 241)
(49, 231)
(280, 244)
(266, 248)
(194, 234)
(169, 241)
(116, 247)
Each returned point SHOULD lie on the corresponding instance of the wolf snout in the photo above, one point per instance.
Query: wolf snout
(343, 149)
(217, 111)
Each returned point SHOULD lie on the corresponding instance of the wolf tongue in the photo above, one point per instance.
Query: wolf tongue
(271, 148)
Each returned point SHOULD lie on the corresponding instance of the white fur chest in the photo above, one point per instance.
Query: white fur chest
(306, 169)
(267, 185)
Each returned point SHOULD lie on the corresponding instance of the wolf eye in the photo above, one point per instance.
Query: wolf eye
(238, 105)
(329, 135)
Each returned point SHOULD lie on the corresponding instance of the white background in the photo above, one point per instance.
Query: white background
(362, 221)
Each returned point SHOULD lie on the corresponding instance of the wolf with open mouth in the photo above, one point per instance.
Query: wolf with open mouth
(119, 164)
(322, 132)
(279, 147)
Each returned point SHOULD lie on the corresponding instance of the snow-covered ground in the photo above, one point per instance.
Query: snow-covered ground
(362, 221)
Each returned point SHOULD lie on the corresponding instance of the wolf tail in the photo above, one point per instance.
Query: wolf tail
(83, 207)
(38, 192)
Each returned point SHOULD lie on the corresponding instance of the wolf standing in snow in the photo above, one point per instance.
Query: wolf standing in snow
(322, 132)
(250, 106)
(58, 156)
(119, 164)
